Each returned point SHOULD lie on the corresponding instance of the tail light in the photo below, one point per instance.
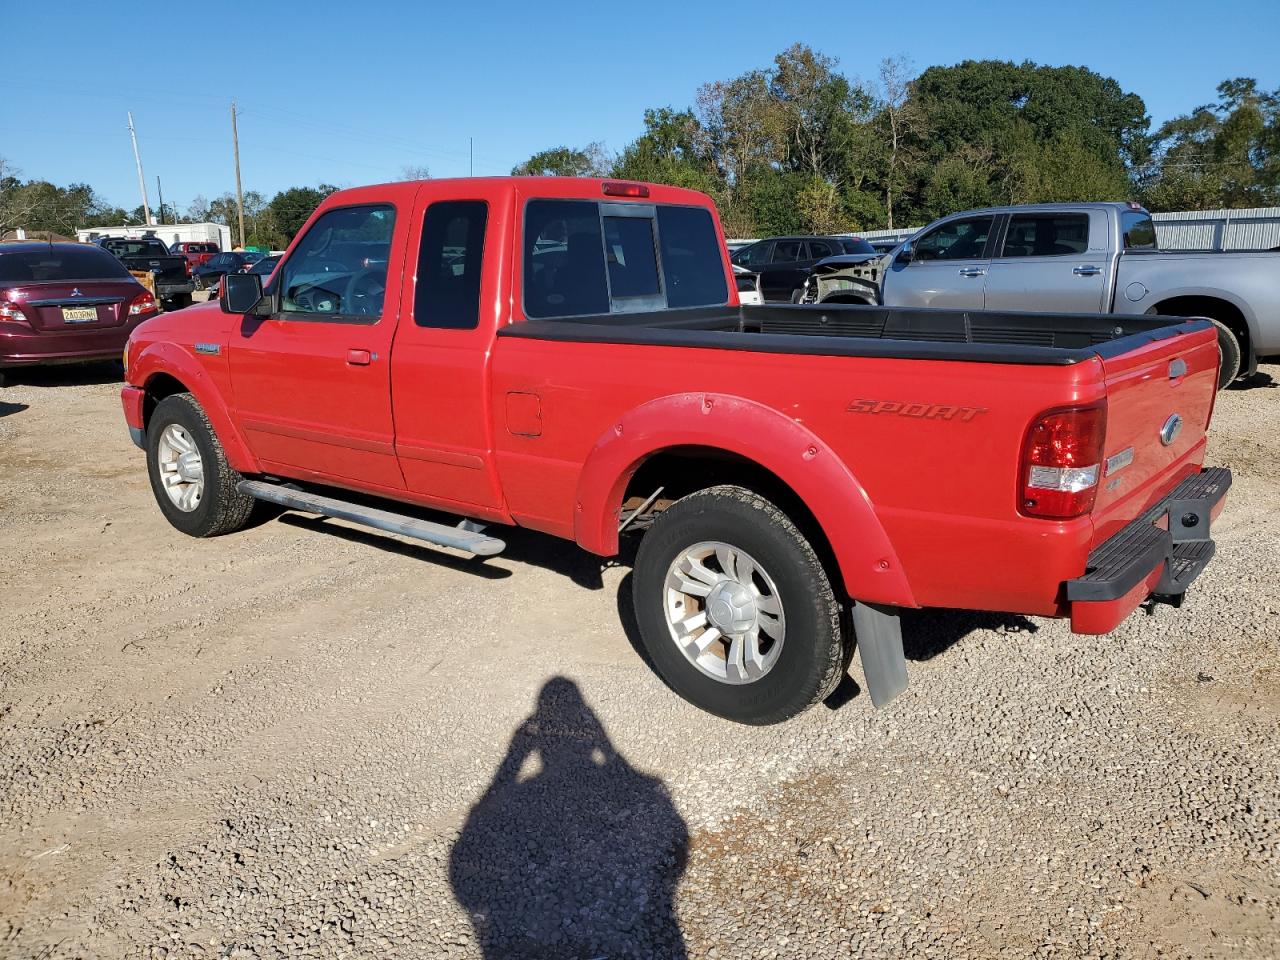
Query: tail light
(143, 303)
(1061, 463)
(11, 311)
(187, 264)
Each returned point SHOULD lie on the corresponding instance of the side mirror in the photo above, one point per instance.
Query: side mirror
(903, 257)
(241, 293)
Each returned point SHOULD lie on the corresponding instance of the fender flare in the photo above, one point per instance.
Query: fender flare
(171, 360)
(869, 566)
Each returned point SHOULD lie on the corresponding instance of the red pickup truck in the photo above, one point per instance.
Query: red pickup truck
(569, 355)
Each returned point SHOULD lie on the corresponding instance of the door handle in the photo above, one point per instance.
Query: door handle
(1088, 270)
(973, 271)
(359, 358)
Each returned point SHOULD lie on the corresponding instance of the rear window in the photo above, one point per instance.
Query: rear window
(58, 263)
(1138, 230)
(691, 258)
(1046, 235)
(583, 258)
(136, 248)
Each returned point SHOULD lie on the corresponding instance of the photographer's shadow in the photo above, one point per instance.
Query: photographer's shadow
(571, 852)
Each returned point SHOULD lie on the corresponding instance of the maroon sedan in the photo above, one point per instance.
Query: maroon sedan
(65, 302)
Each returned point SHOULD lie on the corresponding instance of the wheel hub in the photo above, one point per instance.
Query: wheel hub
(724, 612)
(731, 607)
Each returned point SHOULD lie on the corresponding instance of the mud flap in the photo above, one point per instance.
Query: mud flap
(879, 635)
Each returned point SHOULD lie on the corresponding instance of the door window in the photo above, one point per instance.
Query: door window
(787, 251)
(339, 268)
(818, 249)
(447, 291)
(957, 240)
(753, 256)
(1046, 235)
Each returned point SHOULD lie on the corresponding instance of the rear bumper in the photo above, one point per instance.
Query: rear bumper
(173, 288)
(1161, 553)
(21, 346)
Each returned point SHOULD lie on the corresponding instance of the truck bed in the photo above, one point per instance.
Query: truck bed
(866, 331)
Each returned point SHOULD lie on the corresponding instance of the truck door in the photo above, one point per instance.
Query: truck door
(947, 267)
(312, 381)
(1055, 262)
(458, 250)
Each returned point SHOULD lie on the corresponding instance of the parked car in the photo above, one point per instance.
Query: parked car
(1080, 257)
(172, 273)
(263, 268)
(197, 252)
(65, 302)
(748, 284)
(221, 264)
(570, 355)
(784, 263)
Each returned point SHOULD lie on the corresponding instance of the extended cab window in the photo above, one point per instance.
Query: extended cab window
(339, 268)
(1138, 230)
(448, 279)
(1046, 235)
(957, 240)
(583, 258)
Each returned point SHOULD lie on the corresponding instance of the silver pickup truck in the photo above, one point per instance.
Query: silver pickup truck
(1068, 258)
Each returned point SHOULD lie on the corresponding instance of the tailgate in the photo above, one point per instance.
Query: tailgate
(1159, 399)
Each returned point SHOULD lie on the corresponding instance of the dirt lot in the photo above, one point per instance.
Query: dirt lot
(311, 740)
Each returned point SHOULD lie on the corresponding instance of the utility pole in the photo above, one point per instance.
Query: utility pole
(235, 140)
(142, 181)
(160, 193)
(471, 149)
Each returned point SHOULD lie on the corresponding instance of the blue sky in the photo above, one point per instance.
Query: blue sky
(351, 93)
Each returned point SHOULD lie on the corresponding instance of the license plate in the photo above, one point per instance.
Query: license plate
(79, 314)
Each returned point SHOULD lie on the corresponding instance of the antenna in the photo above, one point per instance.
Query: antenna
(142, 182)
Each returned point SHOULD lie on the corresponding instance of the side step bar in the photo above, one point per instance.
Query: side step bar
(463, 537)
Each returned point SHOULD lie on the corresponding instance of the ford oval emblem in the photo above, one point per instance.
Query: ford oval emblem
(1172, 427)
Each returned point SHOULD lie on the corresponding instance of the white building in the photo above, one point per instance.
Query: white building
(167, 233)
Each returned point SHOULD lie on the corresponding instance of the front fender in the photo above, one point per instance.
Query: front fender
(169, 359)
(868, 563)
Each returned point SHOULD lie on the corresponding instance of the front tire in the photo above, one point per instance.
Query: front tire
(735, 609)
(193, 484)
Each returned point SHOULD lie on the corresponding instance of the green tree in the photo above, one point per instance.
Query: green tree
(290, 209)
(1225, 154)
(590, 161)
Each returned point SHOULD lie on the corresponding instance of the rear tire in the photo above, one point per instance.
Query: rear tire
(780, 571)
(1232, 355)
(182, 446)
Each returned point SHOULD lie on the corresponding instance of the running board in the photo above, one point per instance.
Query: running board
(459, 537)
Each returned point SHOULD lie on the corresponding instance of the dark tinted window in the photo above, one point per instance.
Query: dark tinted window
(691, 257)
(857, 245)
(564, 267)
(340, 265)
(787, 251)
(1138, 230)
(59, 263)
(1046, 235)
(633, 263)
(821, 248)
(754, 255)
(136, 248)
(957, 240)
(448, 279)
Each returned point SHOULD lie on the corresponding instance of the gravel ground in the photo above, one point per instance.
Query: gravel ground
(311, 740)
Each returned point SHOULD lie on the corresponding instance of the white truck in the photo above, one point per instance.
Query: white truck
(1069, 258)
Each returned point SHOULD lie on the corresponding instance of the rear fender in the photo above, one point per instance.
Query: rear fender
(868, 563)
(171, 360)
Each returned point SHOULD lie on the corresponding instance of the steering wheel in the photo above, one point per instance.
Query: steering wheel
(365, 292)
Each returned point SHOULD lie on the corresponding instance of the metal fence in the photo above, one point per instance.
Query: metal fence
(1256, 228)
